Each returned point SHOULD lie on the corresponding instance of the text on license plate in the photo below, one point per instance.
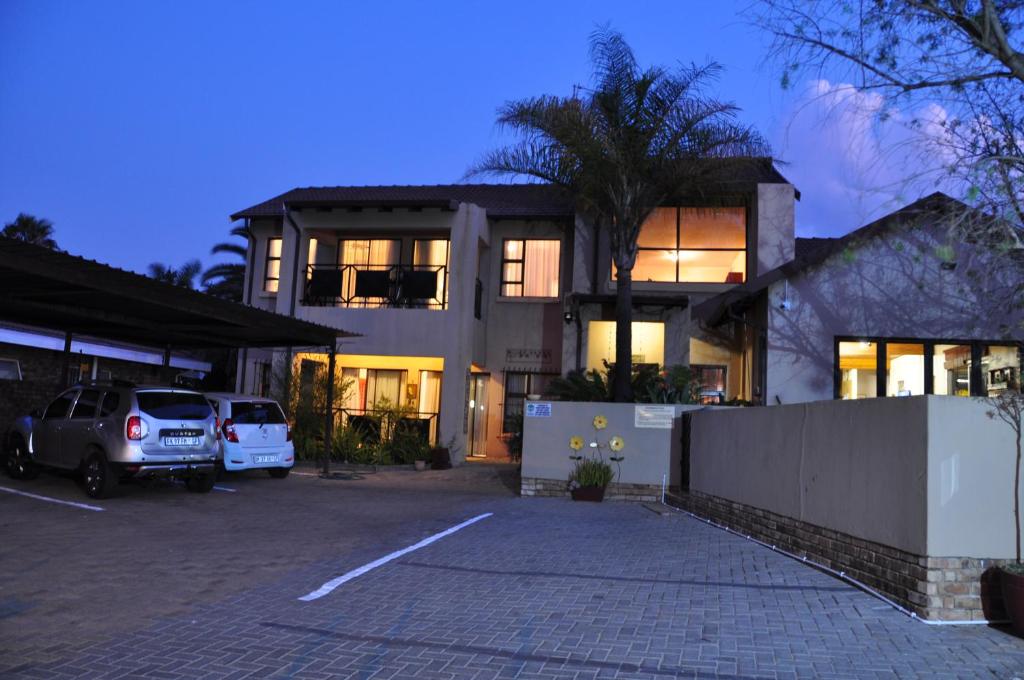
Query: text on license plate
(181, 441)
(264, 459)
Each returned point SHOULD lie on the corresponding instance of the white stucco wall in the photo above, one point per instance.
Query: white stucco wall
(929, 475)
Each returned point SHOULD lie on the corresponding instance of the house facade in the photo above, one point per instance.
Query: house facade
(468, 298)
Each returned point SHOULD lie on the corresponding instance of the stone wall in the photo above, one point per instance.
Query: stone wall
(935, 588)
(646, 493)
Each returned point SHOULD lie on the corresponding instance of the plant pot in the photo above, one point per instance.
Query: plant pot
(440, 458)
(1013, 599)
(421, 465)
(594, 494)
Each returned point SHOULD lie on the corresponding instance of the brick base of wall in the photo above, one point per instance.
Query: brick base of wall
(535, 486)
(935, 588)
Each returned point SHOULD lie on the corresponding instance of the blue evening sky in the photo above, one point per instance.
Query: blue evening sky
(137, 127)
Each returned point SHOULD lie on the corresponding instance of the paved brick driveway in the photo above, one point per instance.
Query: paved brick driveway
(543, 589)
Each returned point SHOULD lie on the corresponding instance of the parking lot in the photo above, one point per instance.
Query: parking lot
(166, 584)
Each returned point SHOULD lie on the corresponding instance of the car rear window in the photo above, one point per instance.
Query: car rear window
(174, 405)
(256, 412)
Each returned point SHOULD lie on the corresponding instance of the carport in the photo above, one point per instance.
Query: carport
(54, 290)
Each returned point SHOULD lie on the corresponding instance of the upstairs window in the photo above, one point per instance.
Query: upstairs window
(529, 268)
(272, 267)
(10, 369)
(692, 245)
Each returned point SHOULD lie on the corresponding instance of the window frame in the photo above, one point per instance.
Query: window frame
(522, 271)
(977, 347)
(678, 249)
(17, 369)
(506, 395)
(267, 259)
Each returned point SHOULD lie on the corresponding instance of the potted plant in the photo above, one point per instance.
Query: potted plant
(1009, 407)
(591, 473)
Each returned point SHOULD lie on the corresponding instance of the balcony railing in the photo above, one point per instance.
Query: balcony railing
(371, 286)
(373, 424)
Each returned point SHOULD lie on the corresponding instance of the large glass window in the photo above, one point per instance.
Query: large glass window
(904, 363)
(913, 367)
(711, 382)
(366, 269)
(647, 344)
(693, 245)
(529, 268)
(272, 266)
(858, 369)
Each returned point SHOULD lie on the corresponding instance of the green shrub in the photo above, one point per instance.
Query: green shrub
(591, 472)
(513, 439)
(674, 385)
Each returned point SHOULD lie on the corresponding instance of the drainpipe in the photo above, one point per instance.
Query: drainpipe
(294, 284)
(247, 298)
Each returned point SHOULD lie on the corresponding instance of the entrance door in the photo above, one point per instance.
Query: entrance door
(478, 414)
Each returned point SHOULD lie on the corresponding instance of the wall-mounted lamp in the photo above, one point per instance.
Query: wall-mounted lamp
(567, 315)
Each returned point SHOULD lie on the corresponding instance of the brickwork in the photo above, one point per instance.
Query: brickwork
(937, 588)
(645, 493)
(41, 377)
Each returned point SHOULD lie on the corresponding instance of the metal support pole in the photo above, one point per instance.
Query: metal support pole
(329, 423)
(65, 369)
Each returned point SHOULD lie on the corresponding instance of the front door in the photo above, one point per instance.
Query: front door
(478, 414)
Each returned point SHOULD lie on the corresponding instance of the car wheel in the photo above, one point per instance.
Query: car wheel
(17, 462)
(201, 483)
(98, 476)
(279, 473)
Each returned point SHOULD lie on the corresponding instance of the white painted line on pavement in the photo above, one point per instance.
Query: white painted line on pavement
(306, 474)
(225, 488)
(326, 588)
(83, 506)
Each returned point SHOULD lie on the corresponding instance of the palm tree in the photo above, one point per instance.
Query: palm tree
(227, 279)
(642, 137)
(184, 276)
(31, 229)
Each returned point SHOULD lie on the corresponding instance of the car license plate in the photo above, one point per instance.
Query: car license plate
(181, 441)
(264, 459)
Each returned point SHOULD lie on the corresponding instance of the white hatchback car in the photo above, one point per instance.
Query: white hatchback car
(254, 434)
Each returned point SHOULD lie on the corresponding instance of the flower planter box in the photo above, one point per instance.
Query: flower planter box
(594, 494)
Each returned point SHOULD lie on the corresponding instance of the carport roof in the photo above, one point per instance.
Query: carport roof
(51, 289)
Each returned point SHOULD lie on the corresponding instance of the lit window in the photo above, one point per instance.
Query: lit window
(692, 245)
(431, 255)
(647, 344)
(272, 268)
(951, 370)
(711, 382)
(904, 364)
(1000, 369)
(858, 368)
(529, 268)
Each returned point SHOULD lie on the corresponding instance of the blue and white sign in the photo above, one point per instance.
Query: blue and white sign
(538, 409)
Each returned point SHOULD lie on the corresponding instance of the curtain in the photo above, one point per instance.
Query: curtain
(433, 253)
(385, 385)
(356, 389)
(540, 269)
(430, 392)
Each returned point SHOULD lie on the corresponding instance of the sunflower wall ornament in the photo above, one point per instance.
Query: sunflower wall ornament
(592, 470)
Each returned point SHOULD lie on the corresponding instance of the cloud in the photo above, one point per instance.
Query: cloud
(854, 159)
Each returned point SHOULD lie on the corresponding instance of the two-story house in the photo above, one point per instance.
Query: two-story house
(468, 298)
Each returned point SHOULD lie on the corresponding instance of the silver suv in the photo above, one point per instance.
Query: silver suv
(114, 431)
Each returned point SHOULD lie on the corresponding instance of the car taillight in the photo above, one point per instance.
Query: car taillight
(133, 428)
(216, 427)
(287, 432)
(229, 431)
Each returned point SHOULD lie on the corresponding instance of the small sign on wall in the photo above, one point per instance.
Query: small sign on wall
(538, 409)
(653, 417)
